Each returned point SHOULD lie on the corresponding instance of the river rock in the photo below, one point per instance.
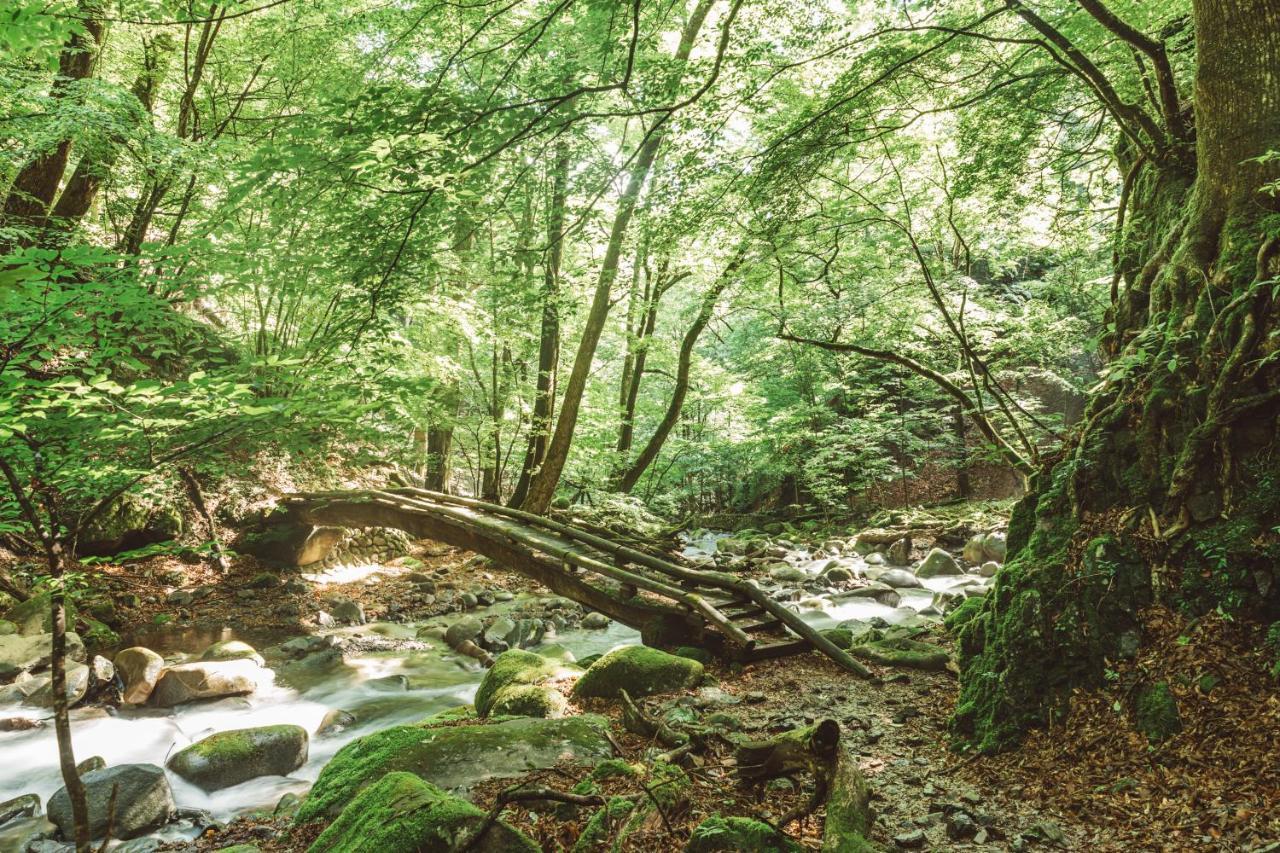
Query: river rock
(899, 553)
(989, 569)
(402, 812)
(90, 764)
(229, 758)
(348, 612)
(28, 805)
(143, 801)
(595, 621)
(902, 652)
(34, 616)
(900, 579)
(232, 650)
(313, 669)
(787, 574)
(456, 756)
(875, 558)
(466, 628)
(984, 547)
(20, 833)
(188, 682)
(640, 670)
(24, 653)
(516, 685)
(77, 675)
(880, 592)
(335, 721)
(139, 668)
(938, 563)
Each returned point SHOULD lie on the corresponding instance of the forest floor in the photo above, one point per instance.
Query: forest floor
(1091, 783)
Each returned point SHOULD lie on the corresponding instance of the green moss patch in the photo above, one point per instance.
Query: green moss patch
(639, 670)
(738, 835)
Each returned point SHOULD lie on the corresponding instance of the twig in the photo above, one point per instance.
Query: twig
(512, 795)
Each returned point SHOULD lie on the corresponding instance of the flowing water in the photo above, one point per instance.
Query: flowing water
(369, 686)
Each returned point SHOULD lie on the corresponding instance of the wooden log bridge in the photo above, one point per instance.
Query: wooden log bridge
(668, 603)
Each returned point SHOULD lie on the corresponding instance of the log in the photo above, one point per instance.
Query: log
(814, 748)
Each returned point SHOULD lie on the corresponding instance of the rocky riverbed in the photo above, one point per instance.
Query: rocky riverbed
(215, 736)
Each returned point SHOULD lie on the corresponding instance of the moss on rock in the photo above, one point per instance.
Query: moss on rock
(598, 828)
(719, 834)
(1156, 712)
(455, 756)
(229, 758)
(639, 670)
(515, 685)
(400, 813)
(903, 652)
(958, 618)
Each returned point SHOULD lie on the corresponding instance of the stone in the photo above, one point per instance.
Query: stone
(719, 834)
(232, 650)
(401, 813)
(595, 621)
(788, 574)
(40, 692)
(325, 620)
(640, 670)
(24, 653)
(180, 598)
(281, 540)
(264, 580)
(28, 805)
(516, 685)
(836, 574)
(335, 721)
(938, 563)
(139, 668)
(466, 628)
(229, 758)
(900, 579)
(20, 833)
(101, 672)
(456, 756)
(960, 826)
(90, 764)
(912, 840)
(989, 569)
(876, 559)
(34, 615)
(1156, 712)
(348, 612)
(903, 652)
(188, 682)
(143, 801)
(849, 814)
(899, 553)
(880, 592)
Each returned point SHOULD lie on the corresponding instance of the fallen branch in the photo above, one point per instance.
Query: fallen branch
(514, 795)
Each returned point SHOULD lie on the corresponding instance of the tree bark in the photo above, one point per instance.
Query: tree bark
(653, 447)
(542, 486)
(36, 185)
(544, 396)
(1181, 444)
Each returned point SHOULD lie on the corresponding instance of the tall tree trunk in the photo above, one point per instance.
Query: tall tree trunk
(542, 485)
(1183, 446)
(94, 167)
(651, 449)
(36, 185)
(544, 396)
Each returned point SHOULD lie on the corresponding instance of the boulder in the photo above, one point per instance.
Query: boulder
(738, 835)
(989, 569)
(139, 669)
(143, 801)
(229, 758)
(455, 756)
(899, 553)
(347, 612)
(129, 522)
(21, 833)
(595, 621)
(640, 670)
(34, 616)
(232, 650)
(938, 563)
(902, 652)
(19, 653)
(985, 547)
(280, 539)
(188, 682)
(77, 675)
(516, 685)
(335, 721)
(28, 805)
(788, 574)
(880, 592)
(401, 813)
(466, 628)
(899, 579)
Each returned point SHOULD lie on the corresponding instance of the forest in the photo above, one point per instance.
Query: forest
(639, 425)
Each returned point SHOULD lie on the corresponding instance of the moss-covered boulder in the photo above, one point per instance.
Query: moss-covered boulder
(639, 670)
(903, 652)
(738, 835)
(33, 616)
(130, 522)
(401, 813)
(1156, 712)
(229, 758)
(516, 686)
(849, 814)
(938, 563)
(455, 757)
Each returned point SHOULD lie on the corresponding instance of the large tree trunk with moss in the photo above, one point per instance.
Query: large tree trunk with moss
(1170, 490)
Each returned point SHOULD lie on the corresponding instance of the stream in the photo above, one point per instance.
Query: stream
(382, 688)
